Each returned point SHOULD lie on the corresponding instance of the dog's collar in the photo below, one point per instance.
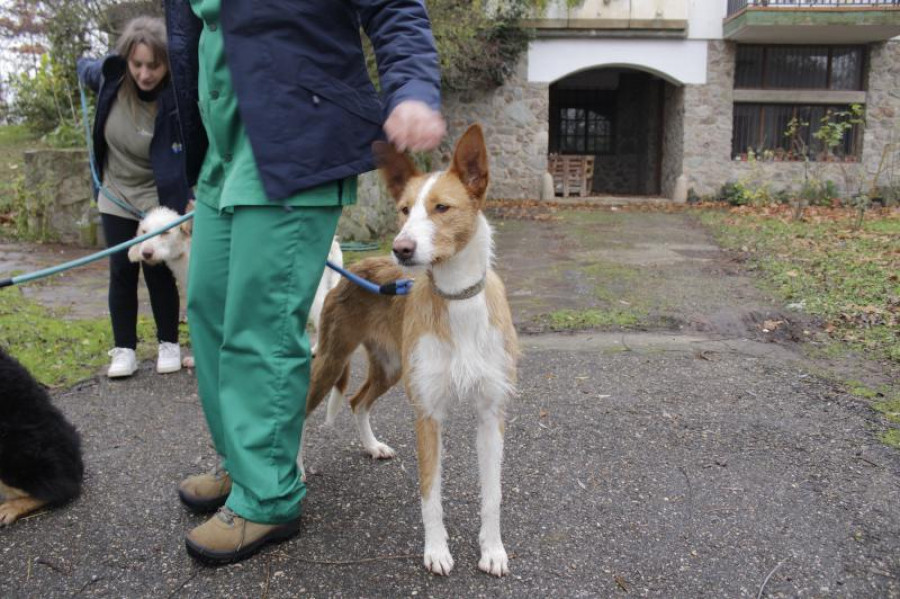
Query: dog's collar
(466, 293)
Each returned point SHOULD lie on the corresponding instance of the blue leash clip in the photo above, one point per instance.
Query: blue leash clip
(398, 287)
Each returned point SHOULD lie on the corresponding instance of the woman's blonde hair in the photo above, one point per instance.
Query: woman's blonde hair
(147, 30)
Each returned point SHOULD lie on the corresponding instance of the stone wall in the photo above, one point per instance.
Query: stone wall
(673, 138)
(882, 112)
(373, 216)
(515, 121)
(59, 196)
(707, 123)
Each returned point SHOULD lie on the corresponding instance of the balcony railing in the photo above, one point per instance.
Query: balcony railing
(736, 6)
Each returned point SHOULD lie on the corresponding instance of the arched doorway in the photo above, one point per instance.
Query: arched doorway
(616, 115)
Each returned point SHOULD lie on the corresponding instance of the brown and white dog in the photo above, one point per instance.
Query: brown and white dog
(450, 340)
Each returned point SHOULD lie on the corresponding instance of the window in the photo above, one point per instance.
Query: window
(581, 121)
(761, 126)
(799, 67)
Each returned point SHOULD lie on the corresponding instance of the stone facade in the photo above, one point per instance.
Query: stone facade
(882, 112)
(707, 123)
(673, 138)
(515, 118)
(373, 215)
(708, 129)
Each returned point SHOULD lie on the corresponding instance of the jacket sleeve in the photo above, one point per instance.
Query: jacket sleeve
(90, 72)
(183, 29)
(408, 66)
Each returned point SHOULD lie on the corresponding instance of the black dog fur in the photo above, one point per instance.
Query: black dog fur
(40, 451)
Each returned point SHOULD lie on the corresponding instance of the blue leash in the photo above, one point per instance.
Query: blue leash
(398, 287)
(39, 274)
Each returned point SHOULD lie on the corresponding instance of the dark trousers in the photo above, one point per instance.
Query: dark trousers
(123, 288)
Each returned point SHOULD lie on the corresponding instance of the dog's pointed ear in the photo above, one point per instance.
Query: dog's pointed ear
(396, 168)
(470, 162)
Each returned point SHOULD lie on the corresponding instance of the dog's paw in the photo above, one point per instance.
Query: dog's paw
(6, 516)
(494, 561)
(9, 513)
(438, 560)
(381, 451)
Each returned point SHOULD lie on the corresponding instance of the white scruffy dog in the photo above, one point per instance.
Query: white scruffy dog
(329, 281)
(173, 247)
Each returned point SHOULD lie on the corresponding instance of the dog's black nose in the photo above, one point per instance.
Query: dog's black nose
(147, 254)
(404, 249)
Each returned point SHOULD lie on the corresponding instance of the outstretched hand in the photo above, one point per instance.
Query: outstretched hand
(415, 126)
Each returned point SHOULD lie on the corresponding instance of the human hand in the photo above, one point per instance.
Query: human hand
(413, 125)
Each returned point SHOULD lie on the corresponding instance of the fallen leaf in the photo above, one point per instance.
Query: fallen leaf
(772, 325)
(623, 584)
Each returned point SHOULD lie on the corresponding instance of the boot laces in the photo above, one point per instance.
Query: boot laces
(226, 515)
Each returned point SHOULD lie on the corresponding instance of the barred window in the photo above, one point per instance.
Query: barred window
(582, 121)
(761, 127)
(799, 67)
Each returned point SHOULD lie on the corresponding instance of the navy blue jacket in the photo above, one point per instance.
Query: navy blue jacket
(298, 70)
(167, 156)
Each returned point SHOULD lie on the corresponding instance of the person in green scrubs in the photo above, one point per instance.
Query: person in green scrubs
(265, 215)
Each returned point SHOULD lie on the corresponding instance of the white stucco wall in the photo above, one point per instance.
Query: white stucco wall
(676, 60)
(705, 19)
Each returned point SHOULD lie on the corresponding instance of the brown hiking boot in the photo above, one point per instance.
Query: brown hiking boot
(227, 538)
(205, 492)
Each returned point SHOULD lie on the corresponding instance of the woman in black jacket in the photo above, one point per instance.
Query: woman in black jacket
(141, 164)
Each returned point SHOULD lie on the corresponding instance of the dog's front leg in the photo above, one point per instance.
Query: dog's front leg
(428, 436)
(490, 456)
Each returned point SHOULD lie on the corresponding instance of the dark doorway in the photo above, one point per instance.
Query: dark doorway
(615, 115)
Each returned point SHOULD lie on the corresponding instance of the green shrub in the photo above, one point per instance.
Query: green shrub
(734, 193)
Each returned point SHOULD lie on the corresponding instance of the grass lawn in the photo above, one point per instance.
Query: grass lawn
(58, 351)
(848, 277)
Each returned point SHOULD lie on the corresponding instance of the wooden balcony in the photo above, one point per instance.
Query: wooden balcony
(812, 21)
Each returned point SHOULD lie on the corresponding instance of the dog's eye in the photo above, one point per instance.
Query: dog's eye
(441, 208)
(405, 210)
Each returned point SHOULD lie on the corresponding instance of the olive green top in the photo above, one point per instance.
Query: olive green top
(128, 173)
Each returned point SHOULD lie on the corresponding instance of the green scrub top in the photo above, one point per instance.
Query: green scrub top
(229, 176)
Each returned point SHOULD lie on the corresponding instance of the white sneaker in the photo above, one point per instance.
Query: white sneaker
(169, 359)
(124, 362)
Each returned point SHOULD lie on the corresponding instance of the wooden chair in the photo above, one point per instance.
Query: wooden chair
(572, 174)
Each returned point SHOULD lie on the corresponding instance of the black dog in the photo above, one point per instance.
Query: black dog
(40, 451)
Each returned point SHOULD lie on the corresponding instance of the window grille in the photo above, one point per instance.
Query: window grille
(582, 121)
(761, 127)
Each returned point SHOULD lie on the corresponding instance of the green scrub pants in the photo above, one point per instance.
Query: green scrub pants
(253, 275)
